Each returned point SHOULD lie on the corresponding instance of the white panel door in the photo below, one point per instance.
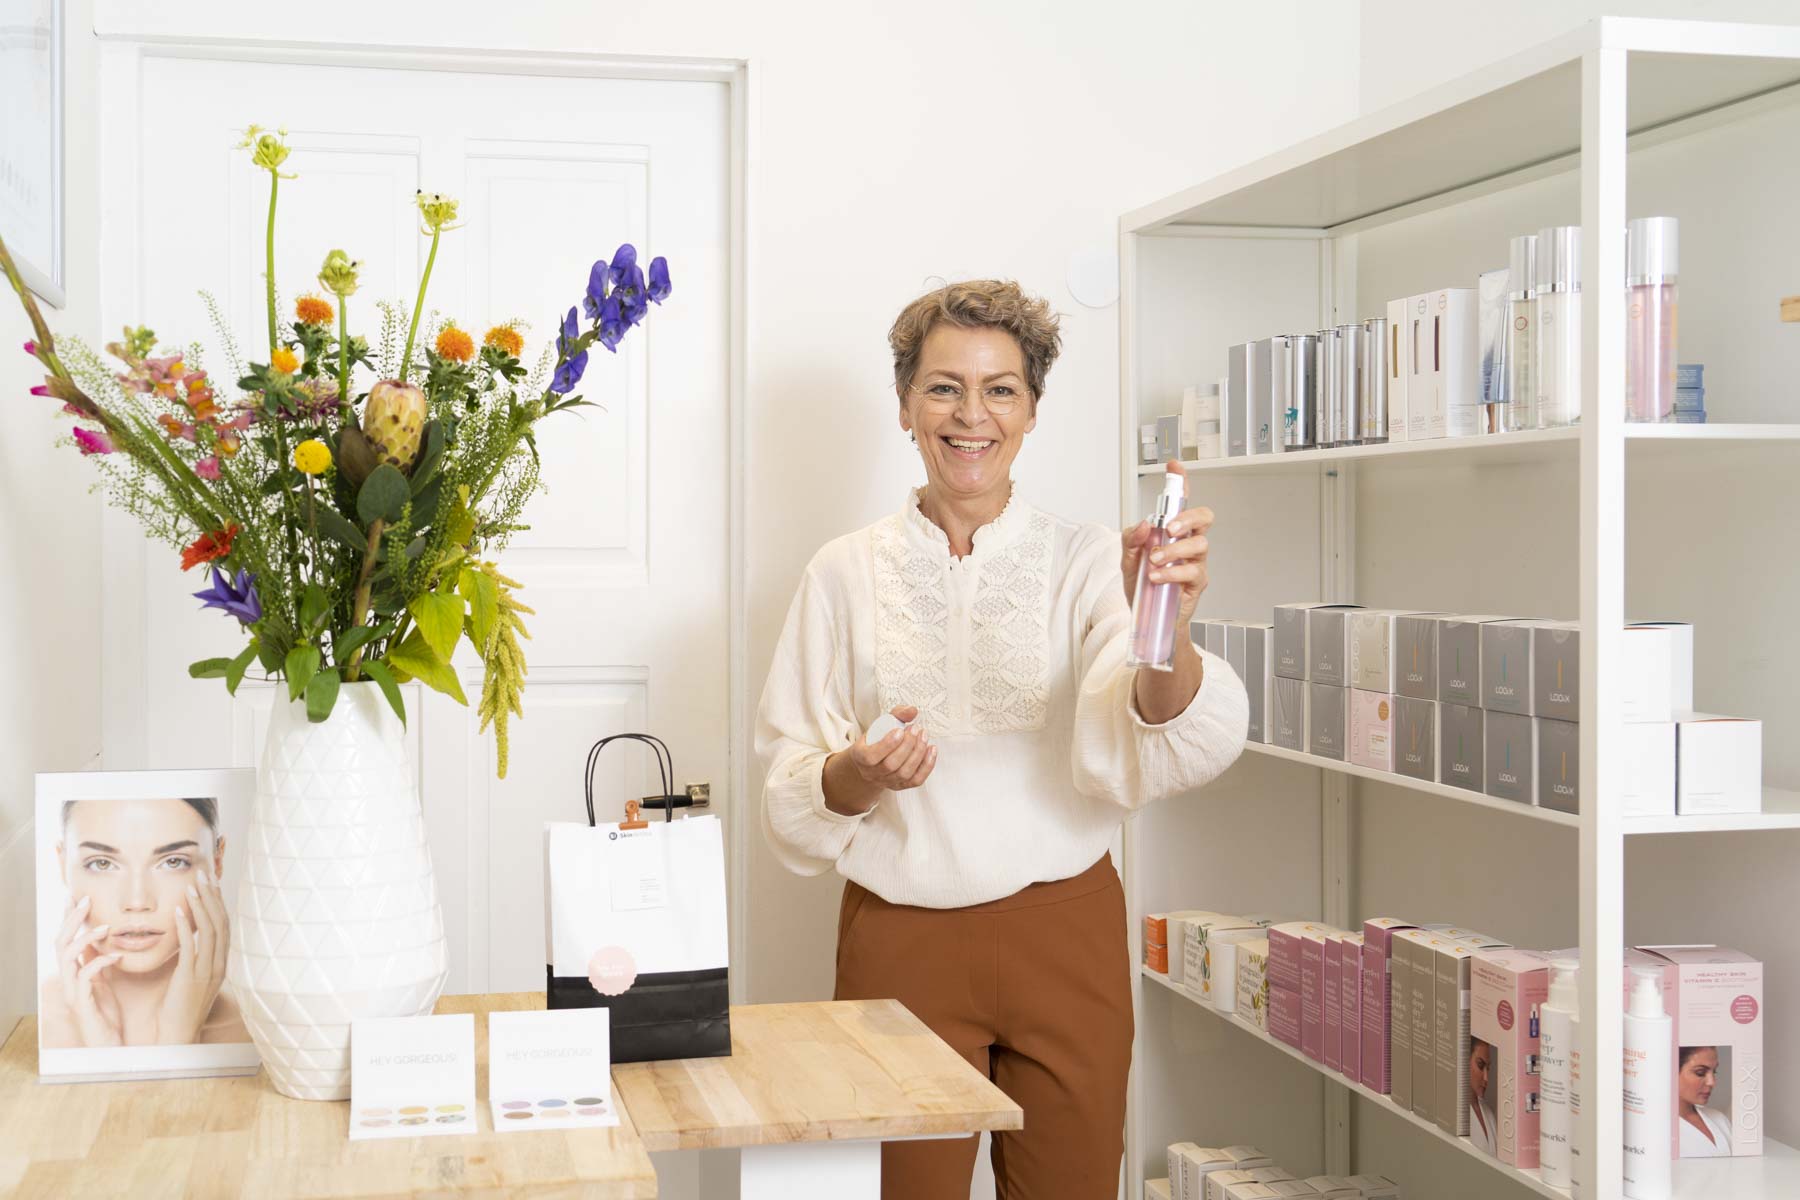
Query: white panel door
(626, 558)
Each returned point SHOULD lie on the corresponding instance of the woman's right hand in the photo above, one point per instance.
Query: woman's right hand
(904, 759)
(83, 973)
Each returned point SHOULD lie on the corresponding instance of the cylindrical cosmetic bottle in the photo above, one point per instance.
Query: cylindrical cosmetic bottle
(1649, 1089)
(1154, 605)
(1373, 406)
(1556, 301)
(1350, 370)
(1331, 388)
(1521, 387)
(1651, 263)
(1303, 392)
(1557, 1087)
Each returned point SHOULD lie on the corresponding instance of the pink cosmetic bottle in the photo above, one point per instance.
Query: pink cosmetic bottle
(1153, 610)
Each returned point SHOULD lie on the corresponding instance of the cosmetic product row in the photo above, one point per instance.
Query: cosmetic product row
(1479, 1037)
(1246, 1173)
(1486, 703)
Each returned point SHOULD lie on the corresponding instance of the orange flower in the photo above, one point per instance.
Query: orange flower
(313, 310)
(208, 547)
(506, 337)
(455, 345)
(170, 425)
(203, 408)
(284, 360)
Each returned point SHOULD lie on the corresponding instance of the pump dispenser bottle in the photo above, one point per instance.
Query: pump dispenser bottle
(1649, 1089)
(1651, 252)
(1558, 1086)
(1556, 329)
(1154, 605)
(1521, 388)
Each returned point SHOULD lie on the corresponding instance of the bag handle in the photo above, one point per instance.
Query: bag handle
(665, 767)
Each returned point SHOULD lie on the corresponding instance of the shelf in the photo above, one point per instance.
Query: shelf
(1448, 792)
(1775, 1174)
(1781, 810)
(1498, 447)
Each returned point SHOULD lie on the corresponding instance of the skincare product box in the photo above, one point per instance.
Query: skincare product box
(1399, 367)
(1328, 643)
(1327, 720)
(1284, 1014)
(1407, 1014)
(1556, 670)
(1718, 764)
(1719, 1017)
(1377, 1000)
(1199, 414)
(1423, 418)
(1212, 637)
(1506, 666)
(1681, 670)
(1147, 443)
(1559, 764)
(1175, 1152)
(1156, 938)
(1459, 659)
(1219, 967)
(1258, 674)
(1376, 1187)
(1236, 646)
(1281, 1189)
(1158, 1189)
(1648, 769)
(1372, 649)
(1183, 962)
(1286, 942)
(1461, 736)
(1456, 361)
(1450, 1020)
(1650, 669)
(1506, 988)
(1372, 730)
(1189, 1165)
(1253, 982)
(1261, 435)
(1415, 655)
(1349, 948)
(1235, 403)
(1415, 738)
(1333, 1187)
(1293, 654)
(1203, 974)
(1312, 993)
(1511, 757)
(1287, 713)
(1421, 950)
(1219, 1184)
(1168, 437)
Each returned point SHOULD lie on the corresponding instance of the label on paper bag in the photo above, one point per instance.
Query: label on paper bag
(550, 1070)
(412, 1076)
(640, 878)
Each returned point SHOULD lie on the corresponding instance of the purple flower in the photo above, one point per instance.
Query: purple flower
(596, 288)
(659, 279)
(89, 442)
(624, 258)
(633, 304)
(568, 374)
(612, 323)
(31, 348)
(41, 390)
(237, 598)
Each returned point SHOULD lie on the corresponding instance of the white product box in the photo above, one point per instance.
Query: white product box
(1681, 676)
(1158, 1189)
(1649, 775)
(1333, 1187)
(1189, 1165)
(1219, 1184)
(1649, 674)
(1199, 409)
(1398, 368)
(1376, 1187)
(1718, 764)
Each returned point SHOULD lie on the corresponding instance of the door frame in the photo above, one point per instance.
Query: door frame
(123, 547)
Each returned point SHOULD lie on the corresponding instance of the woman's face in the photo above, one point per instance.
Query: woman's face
(1481, 1059)
(1699, 1075)
(968, 448)
(133, 860)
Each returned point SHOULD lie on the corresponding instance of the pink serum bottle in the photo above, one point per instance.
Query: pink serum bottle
(1155, 605)
(1650, 256)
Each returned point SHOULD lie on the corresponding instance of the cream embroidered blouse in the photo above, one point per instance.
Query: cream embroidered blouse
(1015, 657)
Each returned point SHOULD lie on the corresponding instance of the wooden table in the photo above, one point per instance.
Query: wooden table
(810, 1092)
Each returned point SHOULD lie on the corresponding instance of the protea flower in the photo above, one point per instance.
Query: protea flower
(393, 420)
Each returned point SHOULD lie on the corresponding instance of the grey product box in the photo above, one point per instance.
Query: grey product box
(1328, 644)
(1327, 720)
(1424, 1028)
(1511, 750)
(1287, 713)
(1460, 742)
(1213, 635)
(1556, 670)
(1558, 764)
(1259, 679)
(1415, 738)
(1506, 666)
(1234, 646)
(1372, 645)
(1459, 659)
(1261, 432)
(1415, 655)
(1235, 414)
(1290, 639)
(1168, 438)
(1451, 1015)
(1400, 1020)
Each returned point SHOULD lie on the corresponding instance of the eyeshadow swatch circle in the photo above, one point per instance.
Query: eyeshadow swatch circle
(551, 1103)
(555, 1112)
(517, 1104)
(377, 1112)
(590, 1100)
(452, 1119)
(413, 1110)
(591, 1112)
(518, 1116)
(449, 1108)
(375, 1124)
(413, 1120)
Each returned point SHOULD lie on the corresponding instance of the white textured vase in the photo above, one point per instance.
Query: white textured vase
(337, 912)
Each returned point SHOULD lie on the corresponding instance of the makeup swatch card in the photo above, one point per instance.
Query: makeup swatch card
(550, 1069)
(412, 1076)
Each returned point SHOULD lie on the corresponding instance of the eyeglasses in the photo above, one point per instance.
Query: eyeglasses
(999, 398)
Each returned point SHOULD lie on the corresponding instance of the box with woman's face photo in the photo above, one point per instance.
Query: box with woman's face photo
(135, 871)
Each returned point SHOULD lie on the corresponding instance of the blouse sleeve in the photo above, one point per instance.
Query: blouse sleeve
(1120, 757)
(805, 717)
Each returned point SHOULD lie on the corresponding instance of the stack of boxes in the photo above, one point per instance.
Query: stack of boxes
(1246, 1173)
(1690, 394)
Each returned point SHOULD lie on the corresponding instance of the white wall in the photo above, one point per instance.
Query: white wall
(49, 537)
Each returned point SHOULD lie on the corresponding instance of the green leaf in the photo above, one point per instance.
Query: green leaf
(483, 595)
(440, 618)
(209, 668)
(383, 496)
(416, 657)
(352, 640)
(321, 694)
(384, 679)
(302, 665)
(315, 606)
(427, 465)
(425, 503)
(339, 528)
(234, 672)
(462, 521)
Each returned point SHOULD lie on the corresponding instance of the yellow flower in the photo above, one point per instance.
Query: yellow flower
(438, 210)
(313, 310)
(267, 150)
(506, 337)
(284, 360)
(455, 345)
(338, 275)
(312, 456)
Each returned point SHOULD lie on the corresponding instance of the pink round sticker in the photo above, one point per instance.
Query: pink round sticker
(1744, 1009)
(612, 970)
(1505, 1013)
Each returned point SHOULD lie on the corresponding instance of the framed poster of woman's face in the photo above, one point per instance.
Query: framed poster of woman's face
(135, 870)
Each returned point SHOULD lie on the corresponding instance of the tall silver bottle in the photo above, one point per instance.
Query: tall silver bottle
(1298, 429)
(1329, 357)
(1521, 384)
(1350, 371)
(1556, 304)
(1373, 405)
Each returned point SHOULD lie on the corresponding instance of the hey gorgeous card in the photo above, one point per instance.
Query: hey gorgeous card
(412, 1076)
(550, 1070)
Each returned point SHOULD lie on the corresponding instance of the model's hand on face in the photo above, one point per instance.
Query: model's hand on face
(203, 932)
(82, 970)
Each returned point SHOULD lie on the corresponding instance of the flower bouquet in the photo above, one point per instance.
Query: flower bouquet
(348, 500)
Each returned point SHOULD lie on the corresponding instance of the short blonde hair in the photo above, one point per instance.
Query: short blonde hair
(979, 304)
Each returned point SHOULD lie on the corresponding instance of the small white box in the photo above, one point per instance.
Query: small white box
(1718, 764)
(1398, 368)
(1333, 1187)
(1198, 409)
(1681, 670)
(1157, 1189)
(1208, 445)
(1648, 678)
(1649, 774)
(1376, 1187)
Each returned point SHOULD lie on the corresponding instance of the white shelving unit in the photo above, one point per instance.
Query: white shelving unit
(1577, 522)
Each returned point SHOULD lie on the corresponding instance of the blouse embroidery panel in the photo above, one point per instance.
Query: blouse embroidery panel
(969, 643)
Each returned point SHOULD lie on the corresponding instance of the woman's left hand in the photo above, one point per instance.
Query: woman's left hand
(200, 966)
(1181, 560)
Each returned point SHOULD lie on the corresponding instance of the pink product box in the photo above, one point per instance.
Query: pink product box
(1372, 730)
(1719, 1034)
(1312, 997)
(1284, 1014)
(1507, 988)
(1331, 1026)
(1284, 951)
(1349, 950)
(1377, 1002)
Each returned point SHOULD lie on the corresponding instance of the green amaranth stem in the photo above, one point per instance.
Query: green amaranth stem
(269, 250)
(419, 307)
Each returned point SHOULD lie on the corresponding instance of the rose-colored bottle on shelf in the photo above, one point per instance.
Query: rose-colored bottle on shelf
(1154, 605)
(1651, 262)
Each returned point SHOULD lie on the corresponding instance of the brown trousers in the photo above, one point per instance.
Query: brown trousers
(1035, 991)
